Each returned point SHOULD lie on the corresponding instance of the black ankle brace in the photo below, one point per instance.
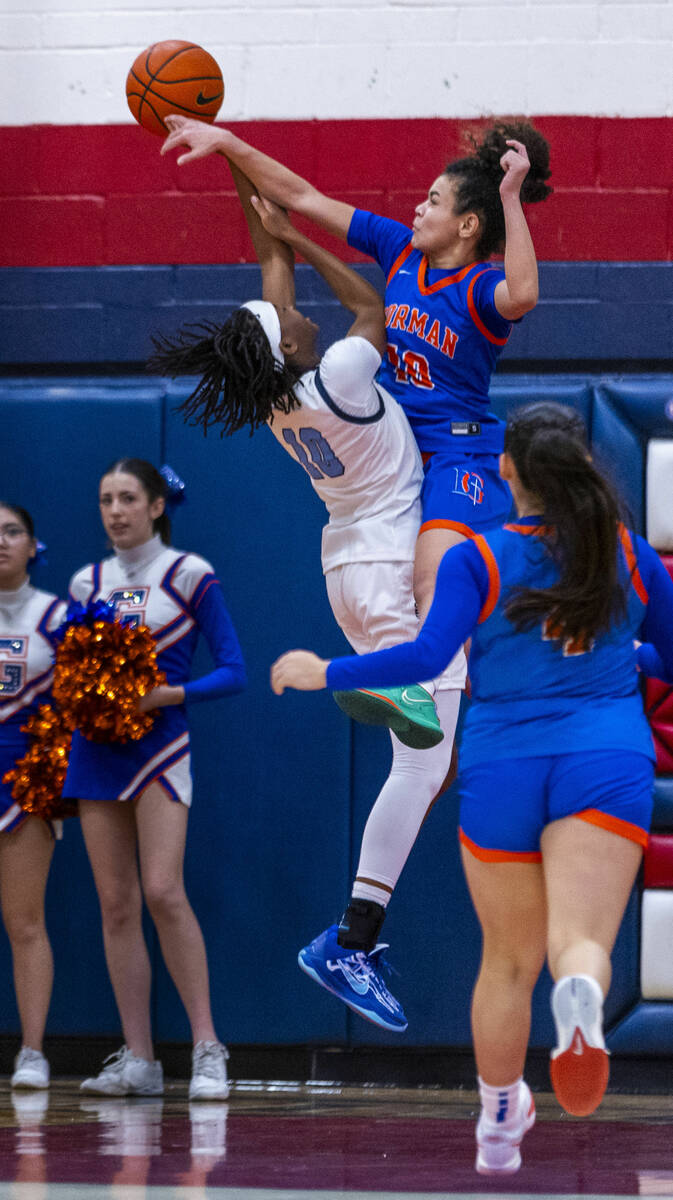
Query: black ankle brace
(360, 925)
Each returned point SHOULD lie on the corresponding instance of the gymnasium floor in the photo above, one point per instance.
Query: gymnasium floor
(290, 1141)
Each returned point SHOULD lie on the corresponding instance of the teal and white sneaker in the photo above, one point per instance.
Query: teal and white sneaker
(409, 711)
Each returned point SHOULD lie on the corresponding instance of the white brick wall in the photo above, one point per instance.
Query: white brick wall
(65, 61)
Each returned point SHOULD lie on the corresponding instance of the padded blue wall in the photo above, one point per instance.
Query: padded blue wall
(588, 311)
(283, 785)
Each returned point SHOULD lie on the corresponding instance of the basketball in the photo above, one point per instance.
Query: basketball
(174, 77)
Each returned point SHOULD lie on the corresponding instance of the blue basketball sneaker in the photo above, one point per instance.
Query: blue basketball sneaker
(409, 711)
(354, 977)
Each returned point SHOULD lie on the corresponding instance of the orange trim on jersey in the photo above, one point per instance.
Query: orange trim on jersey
(625, 829)
(493, 577)
(441, 523)
(632, 563)
(472, 309)
(499, 856)
(402, 257)
(430, 289)
(540, 530)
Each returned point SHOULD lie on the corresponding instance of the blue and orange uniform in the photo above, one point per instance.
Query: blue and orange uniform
(445, 335)
(554, 729)
(28, 618)
(177, 596)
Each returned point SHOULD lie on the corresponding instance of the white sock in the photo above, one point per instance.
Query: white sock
(402, 805)
(501, 1105)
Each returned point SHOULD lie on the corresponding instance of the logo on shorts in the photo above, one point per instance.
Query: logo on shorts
(468, 483)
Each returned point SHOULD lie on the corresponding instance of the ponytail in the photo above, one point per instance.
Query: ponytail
(478, 177)
(547, 443)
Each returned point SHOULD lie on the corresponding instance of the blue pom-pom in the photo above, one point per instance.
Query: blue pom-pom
(84, 614)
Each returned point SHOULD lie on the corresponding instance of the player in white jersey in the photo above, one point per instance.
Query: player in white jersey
(354, 442)
(28, 618)
(134, 797)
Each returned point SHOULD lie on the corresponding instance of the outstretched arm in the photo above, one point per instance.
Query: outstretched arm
(269, 177)
(517, 293)
(275, 257)
(354, 292)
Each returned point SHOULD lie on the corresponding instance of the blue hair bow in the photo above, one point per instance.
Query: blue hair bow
(175, 486)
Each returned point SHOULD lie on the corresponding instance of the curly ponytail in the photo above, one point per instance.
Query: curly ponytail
(547, 443)
(241, 383)
(479, 175)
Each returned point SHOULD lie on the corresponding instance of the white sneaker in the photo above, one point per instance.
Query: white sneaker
(579, 1065)
(209, 1072)
(498, 1149)
(124, 1074)
(31, 1069)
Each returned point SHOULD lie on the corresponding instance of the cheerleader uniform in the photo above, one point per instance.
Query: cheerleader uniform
(28, 618)
(177, 596)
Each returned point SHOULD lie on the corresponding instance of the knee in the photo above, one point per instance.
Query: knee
(424, 584)
(515, 967)
(120, 907)
(25, 928)
(164, 897)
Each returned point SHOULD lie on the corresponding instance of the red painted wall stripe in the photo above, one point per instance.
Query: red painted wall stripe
(94, 195)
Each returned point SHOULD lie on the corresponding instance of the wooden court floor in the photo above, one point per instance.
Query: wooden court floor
(278, 1140)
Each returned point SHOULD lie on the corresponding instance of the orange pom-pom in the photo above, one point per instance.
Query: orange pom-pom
(102, 670)
(38, 777)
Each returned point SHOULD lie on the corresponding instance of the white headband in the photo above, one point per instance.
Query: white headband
(269, 320)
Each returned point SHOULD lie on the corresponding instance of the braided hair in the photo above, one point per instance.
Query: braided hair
(241, 383)
(478, 177)
(548, 446)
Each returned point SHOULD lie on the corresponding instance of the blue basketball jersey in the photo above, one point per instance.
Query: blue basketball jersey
(532, 692)
(444, 338)
(536, 694)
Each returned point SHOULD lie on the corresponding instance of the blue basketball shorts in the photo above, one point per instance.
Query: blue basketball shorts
(506, 804)
(464, 492)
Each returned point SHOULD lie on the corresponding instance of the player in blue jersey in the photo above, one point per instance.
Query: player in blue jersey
(355, 444)
(134, 798)
(557, 756)
(449, 312)
(28, 618)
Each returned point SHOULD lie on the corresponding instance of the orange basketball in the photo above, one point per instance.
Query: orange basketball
(174, 77)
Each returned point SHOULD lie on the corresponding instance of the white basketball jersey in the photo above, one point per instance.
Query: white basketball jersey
(355, 443)
(27, 617)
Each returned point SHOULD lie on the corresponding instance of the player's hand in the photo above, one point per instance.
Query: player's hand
(298, 669)
(161, 697)
(274, 218)
(516, 165)
(201, 138)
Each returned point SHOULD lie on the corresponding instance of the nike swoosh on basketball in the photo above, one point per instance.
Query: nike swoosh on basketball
(201, 99)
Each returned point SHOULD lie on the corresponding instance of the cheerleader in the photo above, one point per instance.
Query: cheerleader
(27, 619)
(134, 797)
